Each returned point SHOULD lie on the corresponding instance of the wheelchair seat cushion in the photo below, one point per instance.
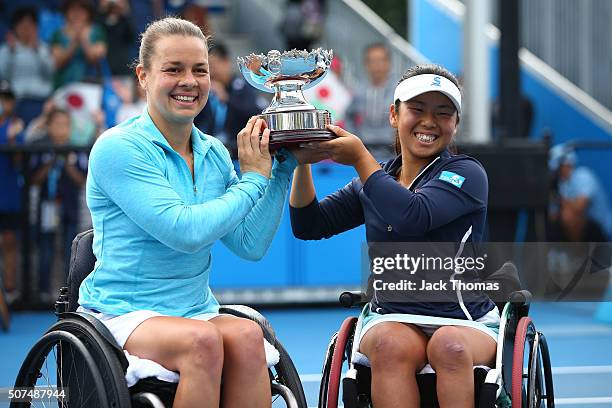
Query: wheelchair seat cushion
(122, 326)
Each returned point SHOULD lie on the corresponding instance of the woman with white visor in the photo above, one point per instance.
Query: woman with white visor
(424, 195)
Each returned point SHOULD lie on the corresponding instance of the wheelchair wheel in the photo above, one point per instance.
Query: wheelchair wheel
(338, 351)
(73, 357)
(531, 388)
(286, 375)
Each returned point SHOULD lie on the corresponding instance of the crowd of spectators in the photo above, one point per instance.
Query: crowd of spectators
(65, 76)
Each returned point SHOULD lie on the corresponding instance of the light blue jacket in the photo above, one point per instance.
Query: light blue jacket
(154, 225)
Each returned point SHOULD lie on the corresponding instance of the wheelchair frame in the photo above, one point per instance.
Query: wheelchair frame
(529, 386)
(90, 364)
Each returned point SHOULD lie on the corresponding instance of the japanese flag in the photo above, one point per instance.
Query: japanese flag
(83, 100)
(330, 94)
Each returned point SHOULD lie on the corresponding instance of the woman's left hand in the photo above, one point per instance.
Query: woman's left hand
(345, 149)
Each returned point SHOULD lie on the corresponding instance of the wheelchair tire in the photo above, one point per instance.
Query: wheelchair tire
(332, 369)
(287, 375)
(536, 391)
(546, 366)
(84, 365)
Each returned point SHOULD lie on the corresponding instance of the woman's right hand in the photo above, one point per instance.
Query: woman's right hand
(253, 147)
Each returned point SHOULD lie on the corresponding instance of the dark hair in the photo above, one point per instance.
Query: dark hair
(420, 70)
(6, 91)
(219, 49)
(22, 13)
(86, 4)
(56, 111)
(375, 45)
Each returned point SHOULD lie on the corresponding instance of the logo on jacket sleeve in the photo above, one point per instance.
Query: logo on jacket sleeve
(453, 178)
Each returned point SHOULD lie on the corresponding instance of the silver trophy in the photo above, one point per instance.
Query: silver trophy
(291, 119)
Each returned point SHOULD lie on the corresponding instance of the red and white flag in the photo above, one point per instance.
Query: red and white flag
(330, 94)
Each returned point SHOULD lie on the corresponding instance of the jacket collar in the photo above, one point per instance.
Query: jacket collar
(199, 141)
(393, 166)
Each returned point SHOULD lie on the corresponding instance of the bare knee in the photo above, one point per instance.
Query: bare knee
(203, 349)
(388, 349)
(244, 342)
(447, 350)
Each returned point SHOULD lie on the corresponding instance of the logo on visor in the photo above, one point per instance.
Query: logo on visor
(436, 81)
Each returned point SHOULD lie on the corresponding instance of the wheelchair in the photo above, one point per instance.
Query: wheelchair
(521, 377)
(79, 354)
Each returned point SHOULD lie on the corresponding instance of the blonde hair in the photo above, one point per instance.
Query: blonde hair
(162, 28)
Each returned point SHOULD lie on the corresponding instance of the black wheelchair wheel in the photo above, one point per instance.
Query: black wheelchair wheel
(547, 369)
(531, 371)
(73, 358)
(324, 386)
(285, 374)
(284, 377)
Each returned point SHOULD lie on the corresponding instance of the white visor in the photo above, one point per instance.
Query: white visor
(420, 84)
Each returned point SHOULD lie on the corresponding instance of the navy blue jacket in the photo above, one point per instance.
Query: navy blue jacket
(447, 202)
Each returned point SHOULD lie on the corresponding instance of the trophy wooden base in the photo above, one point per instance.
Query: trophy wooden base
(293, 138)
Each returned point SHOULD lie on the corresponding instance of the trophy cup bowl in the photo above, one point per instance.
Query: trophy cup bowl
(290, 118)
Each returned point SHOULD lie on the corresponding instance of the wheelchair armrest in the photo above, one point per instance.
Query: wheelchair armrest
(351, 299)
(520, 298)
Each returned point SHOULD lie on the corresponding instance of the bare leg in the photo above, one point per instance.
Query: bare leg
(453, 351)
(246, 383)
(396, 352)
(193, 348)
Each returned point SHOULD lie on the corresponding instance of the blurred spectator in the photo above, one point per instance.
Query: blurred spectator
(142, 13)
(60, 177)
(26, 63)
(368, 115)
(10, 190)
(579, 211)
(134, 100)
(195, 11)
(231, 101)
(303, 24)
(79, 46)
(83, 101)
(120, 36)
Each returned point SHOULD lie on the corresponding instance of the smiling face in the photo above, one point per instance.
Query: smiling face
(177, 80)
(426, 125)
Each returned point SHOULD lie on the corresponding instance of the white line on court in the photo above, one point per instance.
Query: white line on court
(583, 401)
(582, 369)
(310, 377)
(565, 401)
(575, 330)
